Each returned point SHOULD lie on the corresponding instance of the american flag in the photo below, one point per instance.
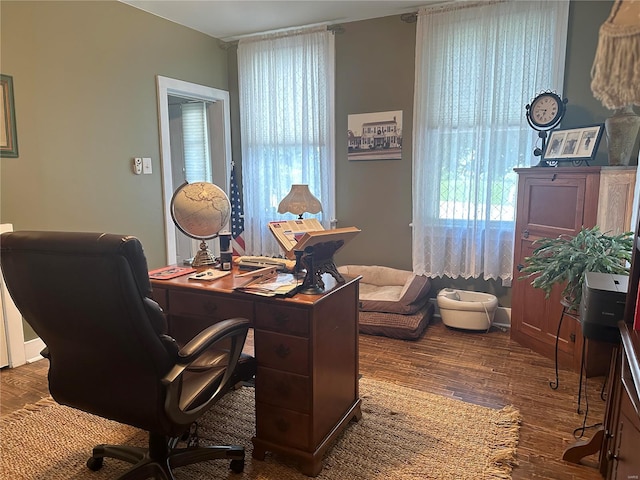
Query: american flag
(237, 216)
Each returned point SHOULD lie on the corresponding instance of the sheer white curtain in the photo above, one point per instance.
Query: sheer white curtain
(286, 87)
(476, 69)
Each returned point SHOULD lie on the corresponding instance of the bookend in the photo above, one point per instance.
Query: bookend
(318, 259)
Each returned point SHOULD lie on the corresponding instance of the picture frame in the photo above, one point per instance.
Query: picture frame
(573, 144)
(8, 134)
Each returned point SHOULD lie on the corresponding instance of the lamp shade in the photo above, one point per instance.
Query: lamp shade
(615, 74)
(299, 200)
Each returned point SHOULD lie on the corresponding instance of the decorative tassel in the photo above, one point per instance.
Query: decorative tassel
(615, 74)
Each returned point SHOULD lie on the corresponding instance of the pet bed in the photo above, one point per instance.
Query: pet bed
(393, 302)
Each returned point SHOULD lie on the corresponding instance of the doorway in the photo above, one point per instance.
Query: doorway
(172, 95)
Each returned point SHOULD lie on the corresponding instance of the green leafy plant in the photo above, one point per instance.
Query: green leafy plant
(567, 259)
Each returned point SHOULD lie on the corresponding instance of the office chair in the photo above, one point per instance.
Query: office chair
(87, 296)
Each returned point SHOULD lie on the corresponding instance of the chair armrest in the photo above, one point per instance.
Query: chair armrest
(201, 342)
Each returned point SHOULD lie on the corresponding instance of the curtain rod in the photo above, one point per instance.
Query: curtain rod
(447, 6)
(335, 28)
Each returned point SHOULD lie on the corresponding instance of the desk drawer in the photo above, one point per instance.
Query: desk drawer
(284, 427)
(283, 389)
(161, 296)
(283, 319)
(282, 352)
(214, 307)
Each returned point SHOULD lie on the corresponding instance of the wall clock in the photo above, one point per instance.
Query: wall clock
(544, 113)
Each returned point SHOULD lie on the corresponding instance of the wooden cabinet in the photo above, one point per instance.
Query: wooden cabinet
(306, 349)
(560, 201)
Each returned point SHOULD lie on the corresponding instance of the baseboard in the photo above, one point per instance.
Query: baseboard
(32, 349)
(502, 317)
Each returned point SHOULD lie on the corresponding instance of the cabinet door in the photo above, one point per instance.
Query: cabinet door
(552, 205)
(538, 317)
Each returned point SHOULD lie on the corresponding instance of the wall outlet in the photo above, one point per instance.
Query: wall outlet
(137, 165)
(146, 166)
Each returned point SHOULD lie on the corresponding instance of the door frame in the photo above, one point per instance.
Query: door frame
(172, 87)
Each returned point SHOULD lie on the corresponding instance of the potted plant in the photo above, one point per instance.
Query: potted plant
(567, 259)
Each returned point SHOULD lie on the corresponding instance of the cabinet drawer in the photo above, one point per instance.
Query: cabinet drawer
(284, 427)
(283, 389)
(282, 352)
(214, 307)
(283, 319)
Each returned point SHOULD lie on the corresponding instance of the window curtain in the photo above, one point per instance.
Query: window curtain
(197, 159)
(476, 69)
(286, 89)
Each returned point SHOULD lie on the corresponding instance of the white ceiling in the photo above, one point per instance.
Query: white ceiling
(229, 20)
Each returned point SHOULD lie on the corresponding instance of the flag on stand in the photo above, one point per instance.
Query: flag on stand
(237, 216)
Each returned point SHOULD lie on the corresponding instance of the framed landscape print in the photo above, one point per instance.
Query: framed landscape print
(8, 135)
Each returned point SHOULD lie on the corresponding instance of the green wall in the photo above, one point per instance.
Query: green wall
(85, 94)
(84, 76)
(375, 72)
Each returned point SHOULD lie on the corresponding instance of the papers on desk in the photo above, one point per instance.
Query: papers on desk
(165, 273)
(209, 274)
(270, 285)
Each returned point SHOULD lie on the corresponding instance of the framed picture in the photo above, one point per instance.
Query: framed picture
(573, 144)
(8, 135)
(375, 136)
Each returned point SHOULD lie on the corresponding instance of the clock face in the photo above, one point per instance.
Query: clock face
(546, 110)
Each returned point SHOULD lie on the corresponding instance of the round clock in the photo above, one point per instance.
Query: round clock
(546, 111)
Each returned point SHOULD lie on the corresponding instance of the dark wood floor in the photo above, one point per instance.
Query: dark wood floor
(483, 368)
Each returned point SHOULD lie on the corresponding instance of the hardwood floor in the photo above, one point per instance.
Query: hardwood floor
(482, 368)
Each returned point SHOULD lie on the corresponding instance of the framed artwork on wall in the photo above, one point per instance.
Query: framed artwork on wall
(375, 136)
(8, 135)
(573, 144)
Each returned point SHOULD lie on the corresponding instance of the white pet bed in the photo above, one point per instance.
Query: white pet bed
(467, 310)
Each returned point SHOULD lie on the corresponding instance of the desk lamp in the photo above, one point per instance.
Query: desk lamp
(299, 200)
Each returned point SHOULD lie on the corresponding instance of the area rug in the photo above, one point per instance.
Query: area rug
(403, 434)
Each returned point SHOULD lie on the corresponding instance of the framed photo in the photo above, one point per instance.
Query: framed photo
(573, 144)
(375, 136)
(8, 135)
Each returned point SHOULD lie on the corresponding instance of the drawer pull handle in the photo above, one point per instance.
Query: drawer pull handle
(525, 234)
(282, 425)
(283, 351)
(210, 307)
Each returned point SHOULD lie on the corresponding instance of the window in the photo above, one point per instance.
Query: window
(197, 159)
(286, 112)
(476, 69)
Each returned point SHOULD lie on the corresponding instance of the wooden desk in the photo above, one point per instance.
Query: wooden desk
(306, 348)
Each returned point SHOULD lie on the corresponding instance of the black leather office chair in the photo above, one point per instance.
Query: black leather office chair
(87, 296)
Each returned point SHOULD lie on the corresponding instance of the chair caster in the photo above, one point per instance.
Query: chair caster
(95, 463)
(237, 466)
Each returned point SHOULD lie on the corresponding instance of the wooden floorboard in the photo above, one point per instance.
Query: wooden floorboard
(486, 369)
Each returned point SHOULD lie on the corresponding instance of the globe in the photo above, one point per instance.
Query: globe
(200, 210)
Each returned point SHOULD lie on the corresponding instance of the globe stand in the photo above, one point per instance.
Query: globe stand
(203, 257)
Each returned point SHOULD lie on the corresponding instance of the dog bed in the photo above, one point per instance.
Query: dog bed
(393, 302)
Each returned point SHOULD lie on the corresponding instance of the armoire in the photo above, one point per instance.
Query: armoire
(555, 201)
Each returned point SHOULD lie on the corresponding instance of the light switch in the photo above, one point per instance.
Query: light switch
(146, 166)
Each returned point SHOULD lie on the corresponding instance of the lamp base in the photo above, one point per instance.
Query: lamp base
(622, 130)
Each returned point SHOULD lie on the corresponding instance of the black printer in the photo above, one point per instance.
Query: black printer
(602, 306)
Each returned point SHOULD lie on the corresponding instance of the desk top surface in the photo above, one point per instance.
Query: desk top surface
(227, 284)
